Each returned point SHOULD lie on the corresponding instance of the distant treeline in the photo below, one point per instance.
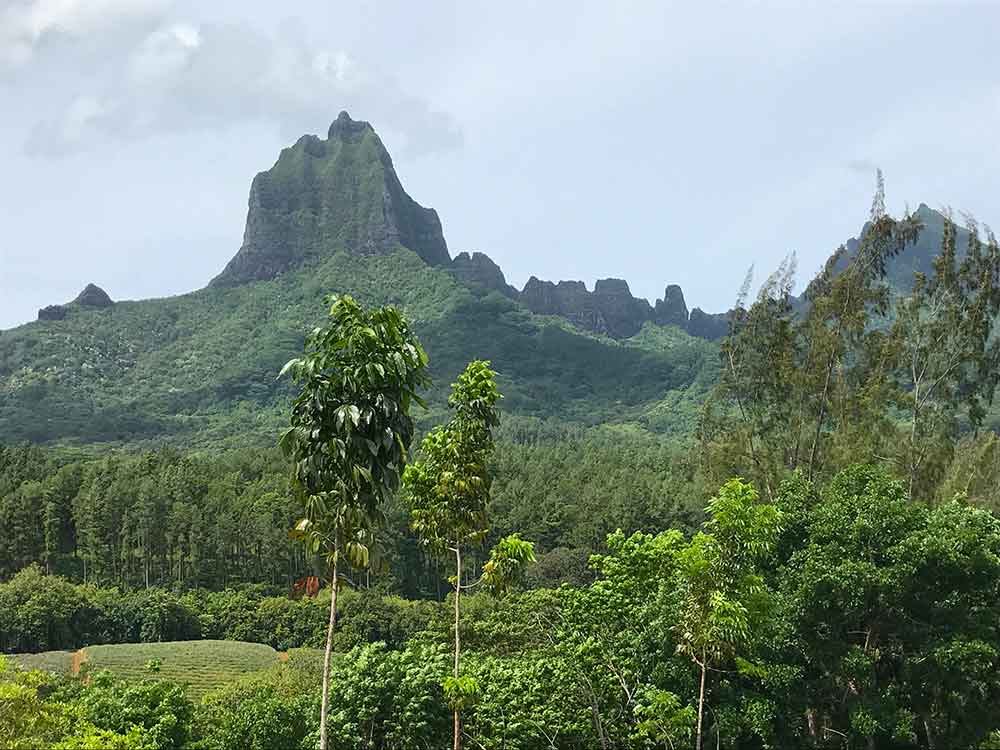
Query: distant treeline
(166, 519)
(148, 519)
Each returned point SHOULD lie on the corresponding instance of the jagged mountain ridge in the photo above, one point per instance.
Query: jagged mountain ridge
(342, 193)
(610, 309)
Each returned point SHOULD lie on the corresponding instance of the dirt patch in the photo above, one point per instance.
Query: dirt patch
(79, 657)
(282, 656)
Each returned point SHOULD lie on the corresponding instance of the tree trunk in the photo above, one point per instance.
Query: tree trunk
(457, 738)
(598, 724)
(701, 702)
(325, 705)
(930, 736)
(819, 421)
(913, 438)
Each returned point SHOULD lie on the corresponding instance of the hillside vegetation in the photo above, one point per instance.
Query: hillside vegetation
(201, 369)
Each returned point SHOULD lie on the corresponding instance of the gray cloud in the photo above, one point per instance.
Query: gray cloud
(28, 26)
(180, 77)
(862, 167)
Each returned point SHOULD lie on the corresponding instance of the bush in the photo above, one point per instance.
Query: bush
(43, 613)
(161, 709)
(254, 715)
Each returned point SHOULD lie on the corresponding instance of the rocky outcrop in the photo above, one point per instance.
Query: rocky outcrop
(610, 309)
(671, 310)
(322, 196)
(52, 312)
(711, 326)
(480, 272)
(341, 193)
(93, 296)
(568, 299)
(623, 313)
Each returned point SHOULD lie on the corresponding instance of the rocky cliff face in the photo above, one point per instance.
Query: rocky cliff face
(612, 310)
(711, 326)
(623, 313)
(52, 312)
(671, 310)
(322, 196)
(479, 271)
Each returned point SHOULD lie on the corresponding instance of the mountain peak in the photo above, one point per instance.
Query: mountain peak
(324, 196)
(480, 270)
(93, 296)
(344, 126)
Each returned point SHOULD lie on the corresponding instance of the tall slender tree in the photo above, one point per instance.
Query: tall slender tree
(447, 491)
(350, 435)
(721, 592)
(848, 307)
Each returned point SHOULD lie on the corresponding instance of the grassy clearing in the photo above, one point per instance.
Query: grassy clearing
(200, 666)
(60, 662)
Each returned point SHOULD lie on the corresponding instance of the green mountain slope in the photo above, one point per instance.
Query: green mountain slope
(330, 216)
(200, 369)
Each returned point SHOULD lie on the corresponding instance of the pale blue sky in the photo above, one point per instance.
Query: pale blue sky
(660, 143)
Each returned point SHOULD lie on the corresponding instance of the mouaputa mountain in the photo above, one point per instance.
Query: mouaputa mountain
(321, 196)
(343, 194)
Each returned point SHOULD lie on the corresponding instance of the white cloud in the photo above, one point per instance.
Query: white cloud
(163, 53)
(862, 167)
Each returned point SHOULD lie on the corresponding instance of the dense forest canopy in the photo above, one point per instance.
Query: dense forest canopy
(866, 619)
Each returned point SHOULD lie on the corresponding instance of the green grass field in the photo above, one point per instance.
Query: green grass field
(200, 666)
